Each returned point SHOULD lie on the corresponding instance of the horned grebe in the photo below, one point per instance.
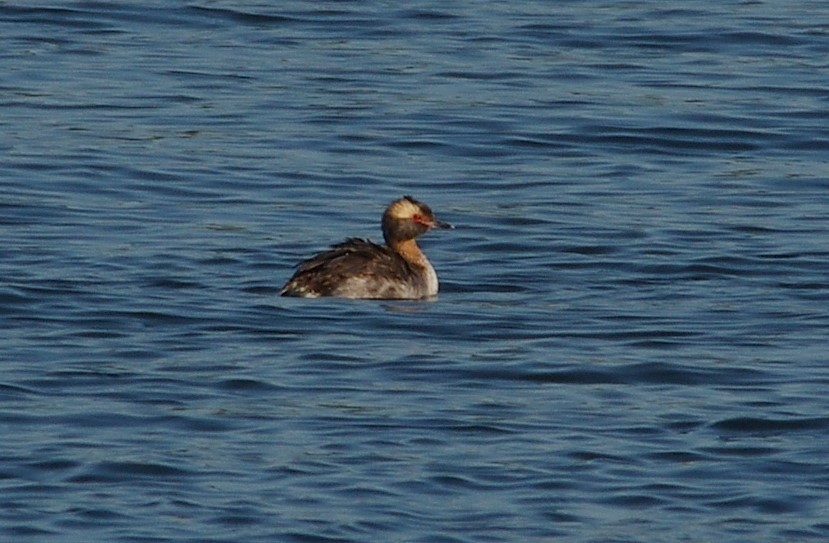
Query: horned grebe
(358, 268)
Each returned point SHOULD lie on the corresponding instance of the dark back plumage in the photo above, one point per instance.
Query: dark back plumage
(334, 271)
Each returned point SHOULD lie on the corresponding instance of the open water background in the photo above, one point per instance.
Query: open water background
(630, 343)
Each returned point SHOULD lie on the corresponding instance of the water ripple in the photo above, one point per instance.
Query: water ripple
(630, 333)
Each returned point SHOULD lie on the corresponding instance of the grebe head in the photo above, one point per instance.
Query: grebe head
(407, 218)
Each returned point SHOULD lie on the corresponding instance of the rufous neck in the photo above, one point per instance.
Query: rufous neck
(410, 251)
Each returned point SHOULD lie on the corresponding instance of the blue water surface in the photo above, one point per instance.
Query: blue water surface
(629, 343)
